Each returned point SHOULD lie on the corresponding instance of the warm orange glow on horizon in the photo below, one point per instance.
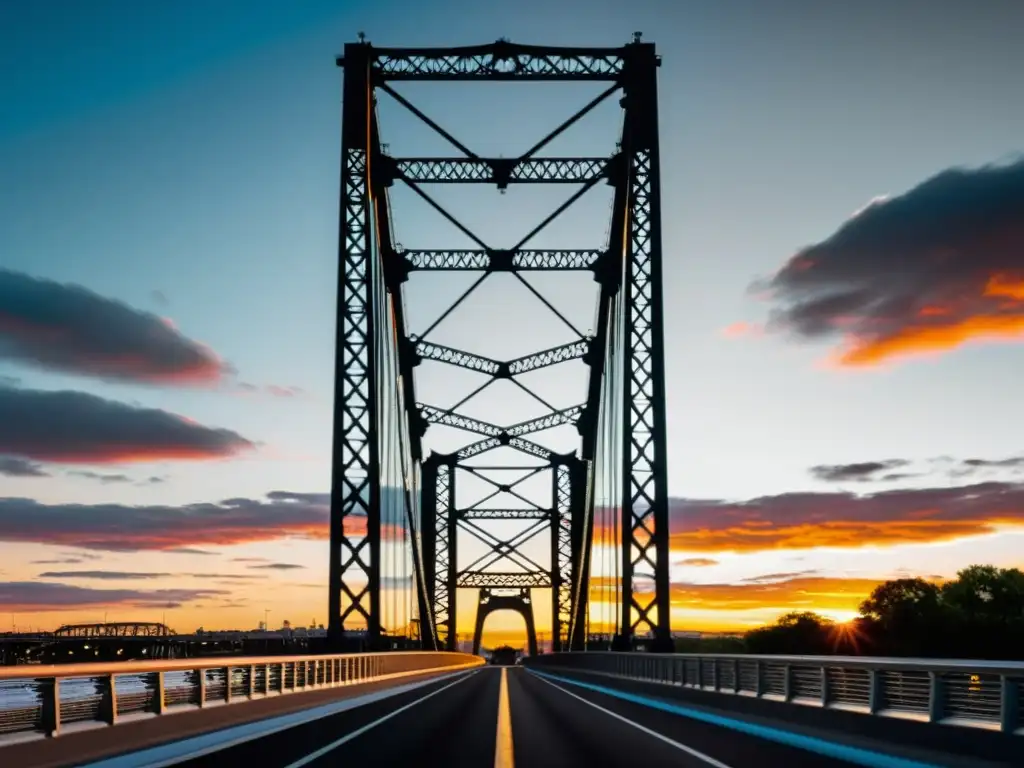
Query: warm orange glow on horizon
(760, 535)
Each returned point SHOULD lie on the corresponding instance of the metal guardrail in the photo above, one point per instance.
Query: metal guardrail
(980, 694)
(44, 700)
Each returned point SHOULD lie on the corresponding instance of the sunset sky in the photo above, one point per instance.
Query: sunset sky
(843, 197)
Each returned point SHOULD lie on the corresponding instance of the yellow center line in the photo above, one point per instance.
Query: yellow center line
(503, 738)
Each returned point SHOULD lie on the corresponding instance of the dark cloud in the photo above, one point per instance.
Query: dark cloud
(68, 328)
(10, 381)
(75, 427)
(860, 472)
(191, 551)
(273, 390)
(41, 596)
(12, 466)
(106, 479)
(785, 576)
(231, 576)
(123, 528)
(923, 272)
(104, 575)
(277, 566)
(698, 562)
(248, 559)
(813, 520)
(144, 575)
(1015, 462)
(58, 561)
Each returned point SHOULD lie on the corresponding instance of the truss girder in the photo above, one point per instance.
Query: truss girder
(562, 556)
(354, 570)
(434, 415)
(490, 443)
(496, 580)
(629, 273)
(501, 60)
(474, 170)
(504, 514)
(444, 529)
(563, 353)
(428, 351)
(502, 261)
(645, 486)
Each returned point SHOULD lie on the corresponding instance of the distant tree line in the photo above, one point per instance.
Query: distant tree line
(979, 614)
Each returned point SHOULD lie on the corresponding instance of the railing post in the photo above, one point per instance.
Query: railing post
(228, 671)
(51, 707)
(266, 679)
(875, 692)
(736, 676)
(202, 686)
(824, 687)
(700, 672)
(159, 694)
(252, 681)
(108, 709)
(1009, 704)
(936, 705)
(787, 682)
(716, 677)
(758, 679)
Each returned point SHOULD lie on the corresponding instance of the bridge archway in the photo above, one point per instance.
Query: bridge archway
(490, 601)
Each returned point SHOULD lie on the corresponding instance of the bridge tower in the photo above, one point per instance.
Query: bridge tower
(396, 514)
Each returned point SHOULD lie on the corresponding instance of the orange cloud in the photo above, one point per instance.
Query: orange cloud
(698, 562)
(839, 519)
(919, 274)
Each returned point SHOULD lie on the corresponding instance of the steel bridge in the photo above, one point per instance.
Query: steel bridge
(396, 515)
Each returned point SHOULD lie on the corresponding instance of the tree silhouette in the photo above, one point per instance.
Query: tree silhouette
(979, 614)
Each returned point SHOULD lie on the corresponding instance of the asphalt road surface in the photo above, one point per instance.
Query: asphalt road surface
(504, 717)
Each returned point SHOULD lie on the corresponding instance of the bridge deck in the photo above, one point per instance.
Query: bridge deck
(461, 719)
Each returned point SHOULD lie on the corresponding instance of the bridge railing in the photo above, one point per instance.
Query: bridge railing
(980, 694)
(44, 700)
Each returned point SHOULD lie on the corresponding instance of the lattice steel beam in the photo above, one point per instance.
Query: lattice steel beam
(426, 350)
(504, 514)
(558, 418)
(500, 171)
(645, 485)
(501, 60)
(354, 569)
(495, 580)
(563, 353)
(502, 261)
(562, 555)
(434, 415)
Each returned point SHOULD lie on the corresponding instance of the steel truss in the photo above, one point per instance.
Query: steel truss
(625, 358)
